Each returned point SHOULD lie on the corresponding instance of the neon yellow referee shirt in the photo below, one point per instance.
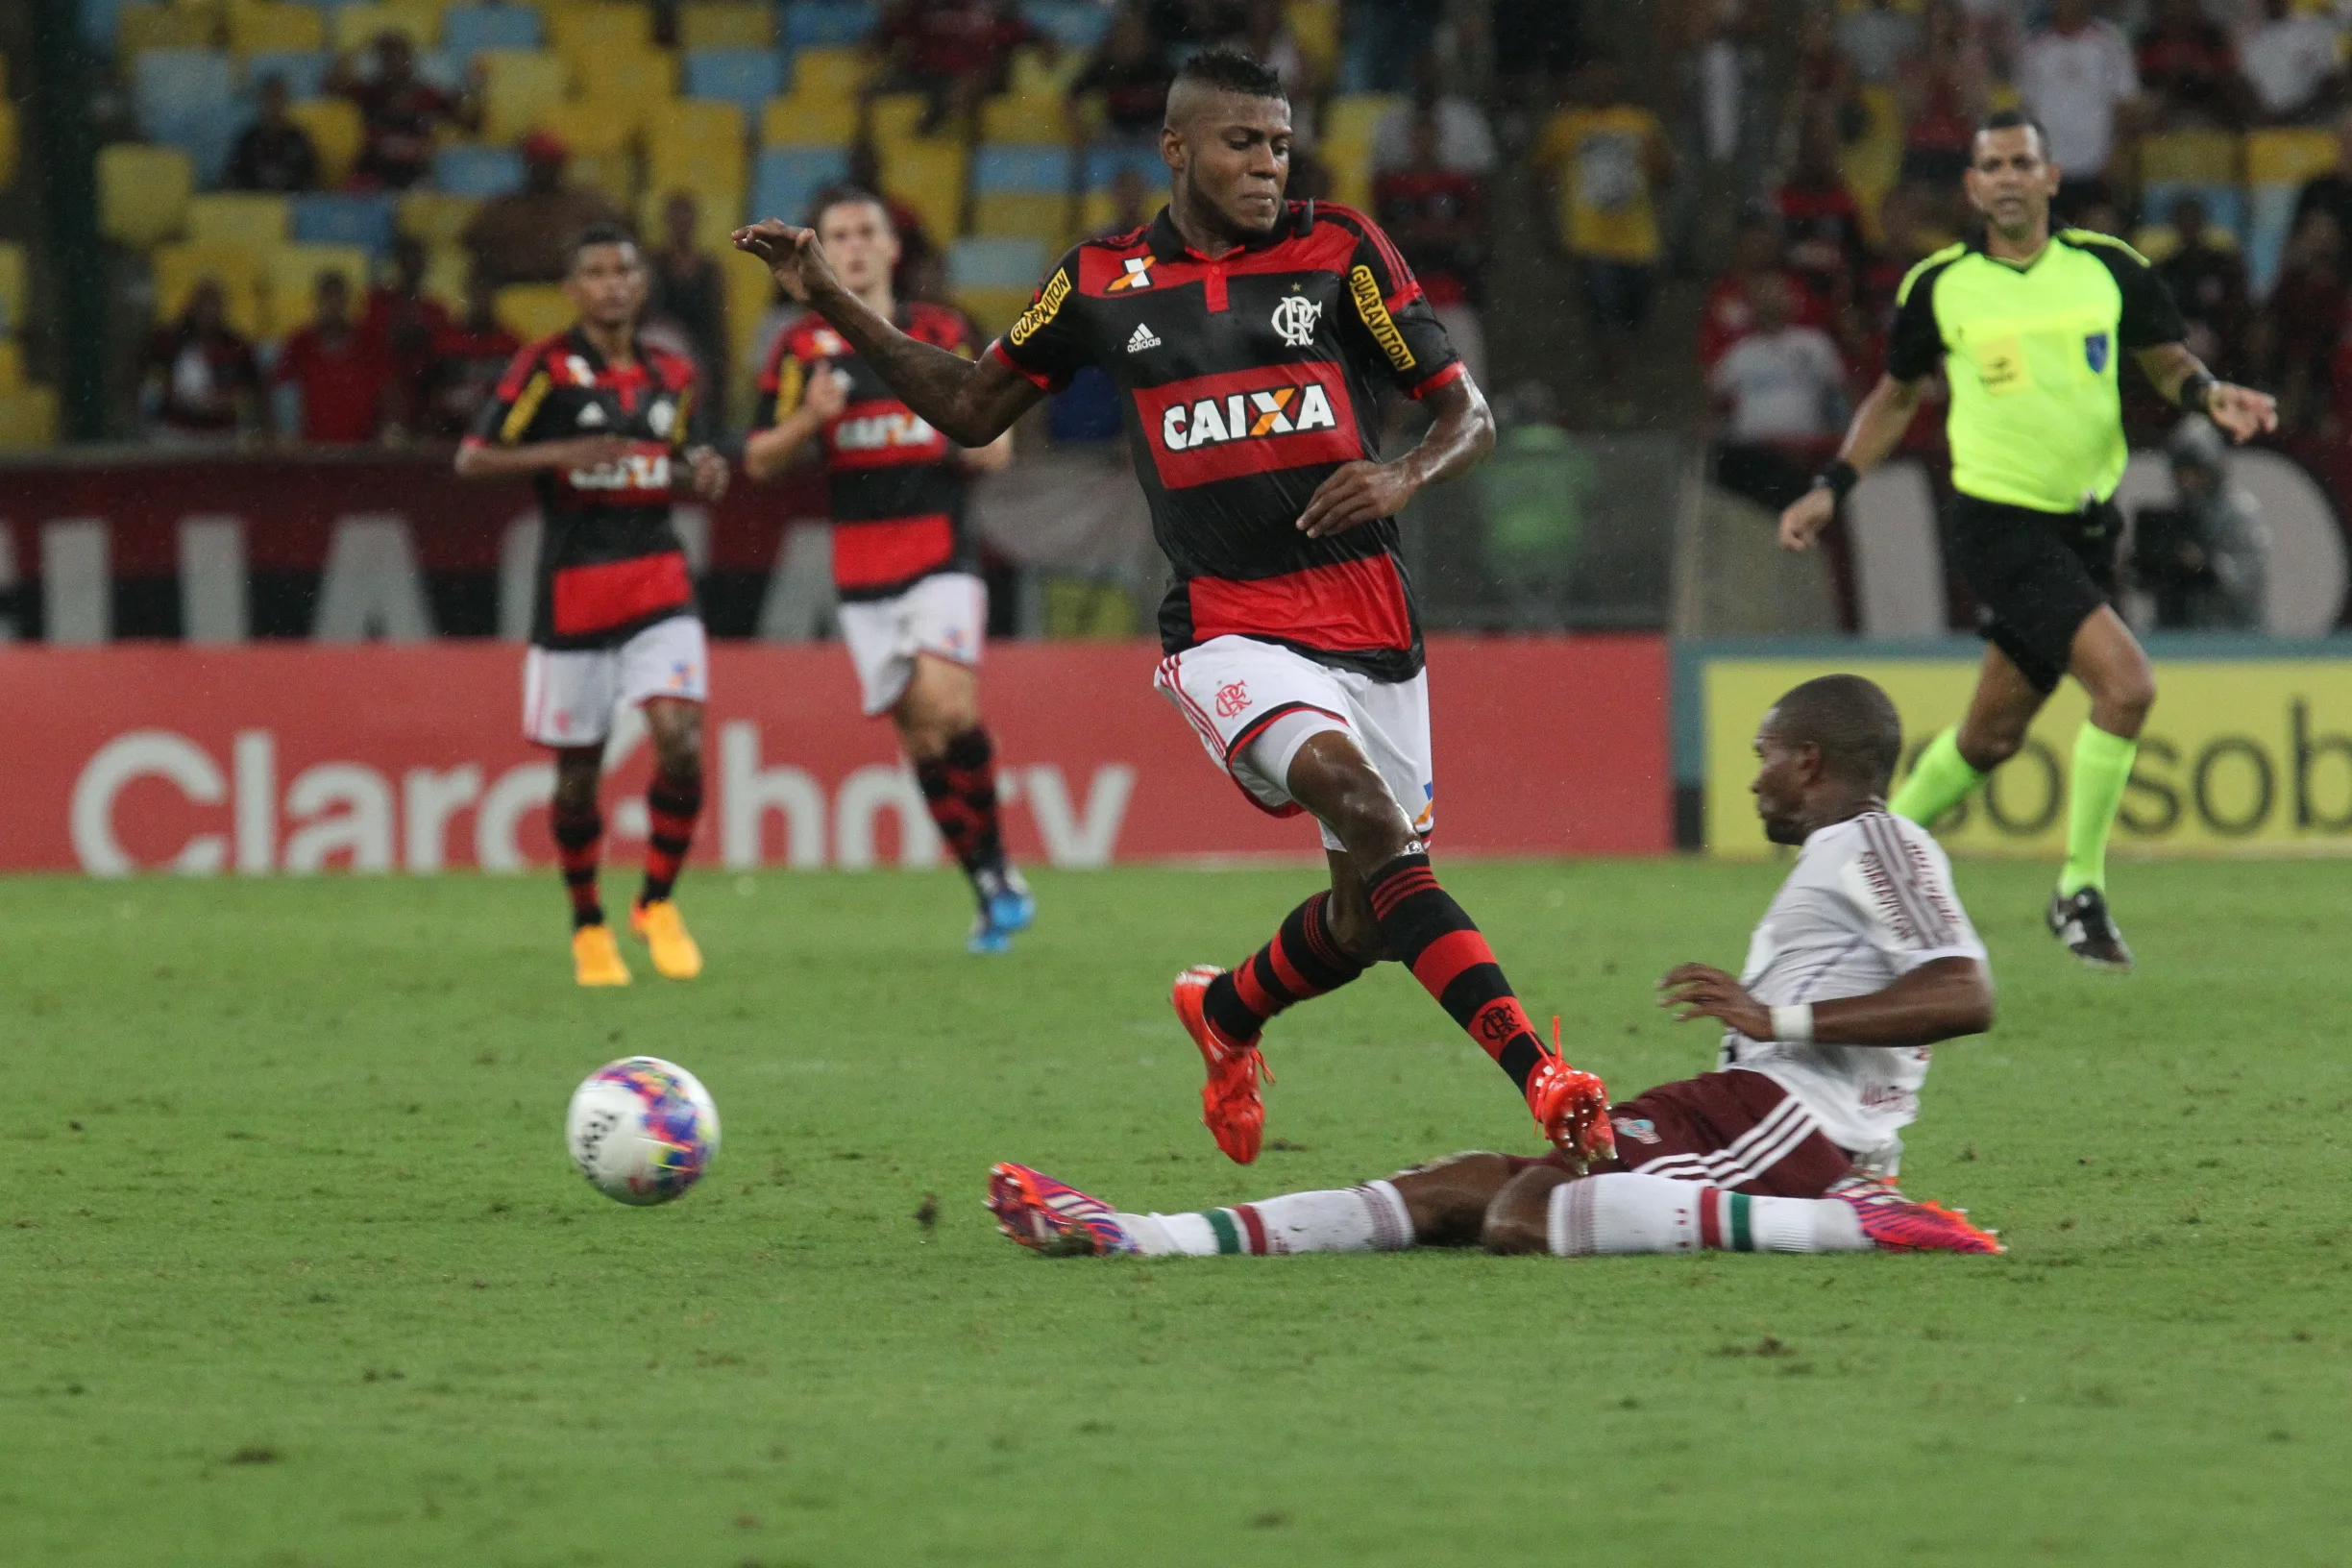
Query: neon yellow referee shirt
(2032, 354)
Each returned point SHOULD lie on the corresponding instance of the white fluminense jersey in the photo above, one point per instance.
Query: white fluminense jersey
(1870, 900)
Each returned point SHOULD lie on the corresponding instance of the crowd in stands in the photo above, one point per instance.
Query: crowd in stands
(326, 226)
(2215, 136)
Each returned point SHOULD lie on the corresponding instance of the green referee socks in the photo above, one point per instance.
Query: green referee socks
(2102, 762)
(1941, 781)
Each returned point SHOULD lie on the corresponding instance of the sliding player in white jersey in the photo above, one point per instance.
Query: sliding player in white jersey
(1863, 962)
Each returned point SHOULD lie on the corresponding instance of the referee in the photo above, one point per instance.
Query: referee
(2027, 326)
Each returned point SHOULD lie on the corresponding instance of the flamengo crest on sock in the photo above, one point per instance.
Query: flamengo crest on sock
(1302, 961)
(1436, 939)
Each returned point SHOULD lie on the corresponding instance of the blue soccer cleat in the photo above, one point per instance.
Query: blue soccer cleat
(1006, 909)
(1054, 1217)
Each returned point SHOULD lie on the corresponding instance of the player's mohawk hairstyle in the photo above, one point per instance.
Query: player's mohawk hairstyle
(1234, 71)
(1854, 723)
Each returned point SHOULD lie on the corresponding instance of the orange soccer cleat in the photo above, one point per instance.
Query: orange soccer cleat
(1571, 1106)
(596, 958)
(676, 954)
(1231, 1107)
(1896, 1223)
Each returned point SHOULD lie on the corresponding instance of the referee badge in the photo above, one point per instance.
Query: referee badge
(2095, 351)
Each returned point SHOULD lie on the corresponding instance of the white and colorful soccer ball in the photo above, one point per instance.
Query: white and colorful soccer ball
(642, 1130)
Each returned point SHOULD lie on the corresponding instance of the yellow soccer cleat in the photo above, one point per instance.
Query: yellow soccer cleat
(596, 958)
(676, 957)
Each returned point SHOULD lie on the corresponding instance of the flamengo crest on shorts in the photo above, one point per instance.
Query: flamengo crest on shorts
(1264, 376)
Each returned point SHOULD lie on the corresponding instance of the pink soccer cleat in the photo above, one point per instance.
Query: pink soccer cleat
(1053, 1217)
(1896, 1224)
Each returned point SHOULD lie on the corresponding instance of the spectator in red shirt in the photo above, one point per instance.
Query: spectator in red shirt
(953, 51)
(1730, 313)
(1820, 222)
(403, 323)
(399, 112)
(198, 380)
(2189, 66)
(1942, 89)
(469, 356)
(1438, 217)
(344, 378)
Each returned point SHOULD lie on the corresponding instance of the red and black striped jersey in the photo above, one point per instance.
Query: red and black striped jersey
(610, 560)
(897, 491)
(1248, 378)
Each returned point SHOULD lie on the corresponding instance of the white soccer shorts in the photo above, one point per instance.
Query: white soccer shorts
(1253, 704)
(945, 615)
(569, 695)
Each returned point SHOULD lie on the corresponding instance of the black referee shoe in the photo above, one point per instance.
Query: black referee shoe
(2082, 922)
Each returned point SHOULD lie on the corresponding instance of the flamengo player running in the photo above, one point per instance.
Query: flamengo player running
(1249, 338)
(913, 610)
(598, 421)
(1793, 1146)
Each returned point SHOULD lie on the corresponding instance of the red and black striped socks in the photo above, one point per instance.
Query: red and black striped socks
(1428, 931)
(1304, 960)
(672, 806)
(959, 785)
(577, 835)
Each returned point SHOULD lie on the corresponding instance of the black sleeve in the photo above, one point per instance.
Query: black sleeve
(1915, 347)
(1047, 344)
(1389, 322)
(509, 414)
(2150, 314)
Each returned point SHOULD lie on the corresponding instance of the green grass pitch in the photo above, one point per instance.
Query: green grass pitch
(294, 1269)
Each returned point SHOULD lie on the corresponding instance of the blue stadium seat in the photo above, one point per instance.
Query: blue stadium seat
(98, 23)
(995, 264)
(822, 22)
(444, 68)
(1104, 161)
(788, 179)
(468, 30)
(1073, 24)
(477, 171)
(175, 90)
(304, 70)
(748, 77)
(2225, 205)
(1040, 168)
(364, 221)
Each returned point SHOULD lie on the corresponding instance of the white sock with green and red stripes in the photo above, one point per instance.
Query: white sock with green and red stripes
(1366, 1218)
(1622, 1212)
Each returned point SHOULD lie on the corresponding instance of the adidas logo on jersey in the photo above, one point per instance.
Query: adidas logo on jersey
(1142, 339)
(874, 432)
(1240, 416)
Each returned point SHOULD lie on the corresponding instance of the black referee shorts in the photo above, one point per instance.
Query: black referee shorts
(2037, 576)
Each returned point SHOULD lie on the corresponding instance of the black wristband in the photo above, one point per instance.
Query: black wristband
(1838, 479)
(2197, 390)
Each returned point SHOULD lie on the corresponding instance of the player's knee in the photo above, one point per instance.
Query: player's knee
(678, 756)
(575, 787)
(1356, 930)
(1510, 1228)
(1447, 1199)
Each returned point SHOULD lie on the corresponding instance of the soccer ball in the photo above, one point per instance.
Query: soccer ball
(642, 1130)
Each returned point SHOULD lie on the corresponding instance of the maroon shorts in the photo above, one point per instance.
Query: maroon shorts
(1736, 1129)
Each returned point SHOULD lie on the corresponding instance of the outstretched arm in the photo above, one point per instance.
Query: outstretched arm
(2242, 411)
(969, 401)
(1365, 492)
(1876, 425)
(1942, 999)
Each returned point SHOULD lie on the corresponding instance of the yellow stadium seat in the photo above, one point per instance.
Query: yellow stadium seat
(143, 193)
(1315, 25)
(573, 29)
(928, 176)
(993, 308)
(2288, 156)
(624, 84)
(1034, 76)
(336, 131)
(354, 26)
(447, 266)
(894, 116)
(7, 142)
(138, 29)
(12, 364)
(1097, 214)
(1008, 214)
(1872, 162)
(290, 282)
(836, 71)
(534, 310)
(1351, 173)
(749, 289)
(2191, 157)
(436, 217)
(718, 213)
(695, 143)
(726, 26)
(1351, 119)
(803, 120)
(1023, 119)
(14, 299)
(236, 268)
(276, 25)
(518, 85)
(600, 139)
(239, 217)
(28, 418)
